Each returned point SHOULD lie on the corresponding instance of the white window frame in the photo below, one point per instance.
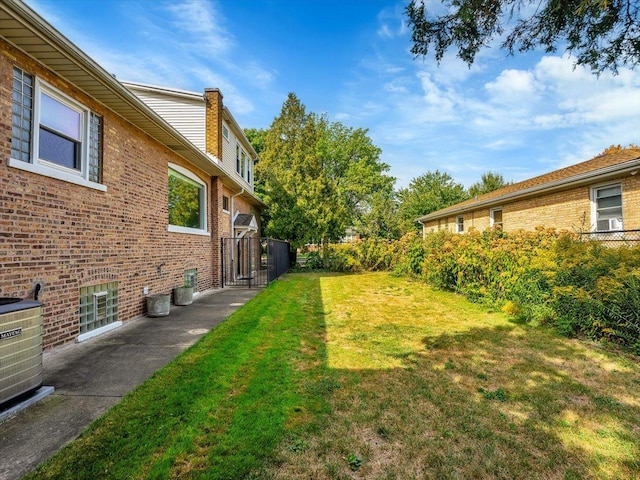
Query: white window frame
(460, 224)
(203, 203)
(492, 212)
(51, 169)
(225, 132)
(226, 210)
(594, 206)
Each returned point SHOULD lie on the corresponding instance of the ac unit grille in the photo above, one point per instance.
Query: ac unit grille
(20, 352)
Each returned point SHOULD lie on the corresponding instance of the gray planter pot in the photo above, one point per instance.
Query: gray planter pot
(158, 304)
(183, 295)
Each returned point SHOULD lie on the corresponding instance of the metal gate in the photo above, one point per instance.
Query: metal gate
(248, 261)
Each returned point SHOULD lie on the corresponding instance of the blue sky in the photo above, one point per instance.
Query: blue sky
(519, 116)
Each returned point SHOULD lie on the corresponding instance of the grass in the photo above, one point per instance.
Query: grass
(371, 376)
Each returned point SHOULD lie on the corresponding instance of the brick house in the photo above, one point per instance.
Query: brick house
(599, 195)
(102, 197)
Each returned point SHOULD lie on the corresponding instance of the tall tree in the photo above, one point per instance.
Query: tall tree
(316, 177)
(380, 218)
(353, 165)
(489, 182)
(257, 137)
(601, 34)
(428, 193)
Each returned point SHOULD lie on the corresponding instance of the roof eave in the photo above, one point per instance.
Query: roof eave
(602, 174)
(109, 91)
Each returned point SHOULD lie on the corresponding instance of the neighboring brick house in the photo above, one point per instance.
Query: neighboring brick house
(599, 195)
(100, 196)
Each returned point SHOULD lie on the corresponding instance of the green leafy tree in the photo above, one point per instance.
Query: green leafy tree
(425, 194)
(380, 218)
(317, 177)
(352, 163)
(257, 137)
(489, 182)
(601, 34)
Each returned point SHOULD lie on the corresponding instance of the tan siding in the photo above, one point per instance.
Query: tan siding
(184, 115)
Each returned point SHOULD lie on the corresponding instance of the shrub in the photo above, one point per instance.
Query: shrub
(582, 288)
(596, 292)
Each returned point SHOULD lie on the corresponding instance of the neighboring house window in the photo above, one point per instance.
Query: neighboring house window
(238, 158)
(225, 132)
(460, 224)
(187, 202)
(225, 203)
(54, 135)
(243, 164)
(496, 218)
(250, 172)
(607, 207)
(98, 306)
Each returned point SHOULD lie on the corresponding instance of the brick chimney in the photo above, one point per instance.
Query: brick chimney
(213, 121)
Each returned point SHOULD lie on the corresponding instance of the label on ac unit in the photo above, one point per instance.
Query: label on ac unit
(11, 333)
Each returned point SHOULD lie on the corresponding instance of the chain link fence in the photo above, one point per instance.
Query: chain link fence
(627, 238)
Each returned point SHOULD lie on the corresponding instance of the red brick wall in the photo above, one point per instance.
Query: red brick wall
(71, 236)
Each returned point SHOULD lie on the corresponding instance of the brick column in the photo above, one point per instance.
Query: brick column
(213, 121)
(217, 229)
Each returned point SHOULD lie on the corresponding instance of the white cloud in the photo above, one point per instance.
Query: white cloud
(203, 22)
(513, 86)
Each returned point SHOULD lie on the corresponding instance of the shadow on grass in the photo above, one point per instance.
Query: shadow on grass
(529, 392)
(257, 398)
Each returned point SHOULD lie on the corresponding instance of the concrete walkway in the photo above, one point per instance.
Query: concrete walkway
(92, 376)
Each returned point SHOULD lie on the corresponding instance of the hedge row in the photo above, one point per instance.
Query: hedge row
(582, 288)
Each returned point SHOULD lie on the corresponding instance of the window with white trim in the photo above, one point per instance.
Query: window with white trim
(53, 134)
(607, 207)
(496, 218)
(238, 158)
(187, 201)
(225, 203)
(98, 306)
(225, 131)
(460, 224)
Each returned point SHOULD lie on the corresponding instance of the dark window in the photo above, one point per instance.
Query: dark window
(62, 127)
(496, 219)
(225, 203)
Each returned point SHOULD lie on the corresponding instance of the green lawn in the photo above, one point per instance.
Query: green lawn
(371, 376)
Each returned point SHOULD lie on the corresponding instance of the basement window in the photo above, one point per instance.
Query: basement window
(98, 306)
(191, 278)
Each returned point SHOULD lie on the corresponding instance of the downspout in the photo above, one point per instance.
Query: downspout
(231, 208)
(232, 234)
